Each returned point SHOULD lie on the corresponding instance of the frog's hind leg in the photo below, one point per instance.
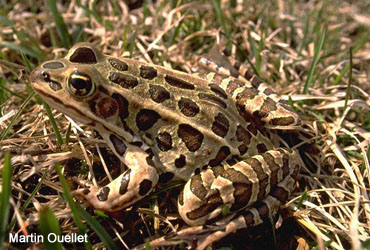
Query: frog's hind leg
(254, 98)
(127, 188)
(240, 187)
(255, 188)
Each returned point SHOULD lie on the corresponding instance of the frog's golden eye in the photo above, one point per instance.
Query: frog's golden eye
(80, 84)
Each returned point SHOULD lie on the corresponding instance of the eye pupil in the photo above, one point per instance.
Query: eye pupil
(80, 84)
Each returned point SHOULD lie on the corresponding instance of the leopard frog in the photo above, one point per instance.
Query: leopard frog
(214, 133)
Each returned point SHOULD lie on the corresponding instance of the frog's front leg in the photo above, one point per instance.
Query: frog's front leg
(130, 186)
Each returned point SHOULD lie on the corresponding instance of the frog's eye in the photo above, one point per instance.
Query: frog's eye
(80, 84)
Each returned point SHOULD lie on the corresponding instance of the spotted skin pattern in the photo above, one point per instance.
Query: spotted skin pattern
(212, 133)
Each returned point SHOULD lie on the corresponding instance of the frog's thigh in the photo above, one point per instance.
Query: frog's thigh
(127, 188)
(238, 186)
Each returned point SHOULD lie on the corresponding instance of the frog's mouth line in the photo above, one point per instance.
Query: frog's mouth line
(78, 115)
(56, 103)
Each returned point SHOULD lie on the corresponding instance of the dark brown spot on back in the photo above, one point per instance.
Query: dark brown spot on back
(267, 106)
(246, 94)
(233, 85)
(83, 55)
(148, 72)
(158, 93)
(149, 160)
(124, 182)
(283, 121)
(126, 81)
(188, 107)
(218, 90)
(261, 148)
(221, 155)
(213, 99)
(118, 144)
(164, 141)
(180, 162)
(190, 136)
(176, 82)
(145, 187)
(220, 126)
(165, 177)
(103, 194)
(118, 64)
(243, 149)
(146, 118)
(122, 105)
(243, 135)
(252, 128)
(268, 91)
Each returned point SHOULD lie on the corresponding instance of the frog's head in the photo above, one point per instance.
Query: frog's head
(70, 84)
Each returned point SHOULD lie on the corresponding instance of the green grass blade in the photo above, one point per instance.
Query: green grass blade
(6, 176)
(174, 34)
(76, 217)
(255, 53)
(359, 44)
(4, 89)
(126, 30)
(25, 49)
(131, 45)
(53, 123)
(316, 57)
(98, 229)
(48, 226)
(29, 199)
(6, 21)
(304, 197)
(24, 104)
(305, 34)
(365, 244)
(61, 27)
(26, 62)
(220, 16)
(349, 80)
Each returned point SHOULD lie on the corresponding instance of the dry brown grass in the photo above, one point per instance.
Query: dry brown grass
(331, 205)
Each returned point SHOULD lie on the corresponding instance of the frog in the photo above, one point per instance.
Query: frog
(217, 134)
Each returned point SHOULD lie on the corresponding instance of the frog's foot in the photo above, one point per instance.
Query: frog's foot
(214, 191)
(127, 188)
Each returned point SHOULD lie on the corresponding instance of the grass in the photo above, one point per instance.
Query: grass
(302, 49)
(4, 198)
